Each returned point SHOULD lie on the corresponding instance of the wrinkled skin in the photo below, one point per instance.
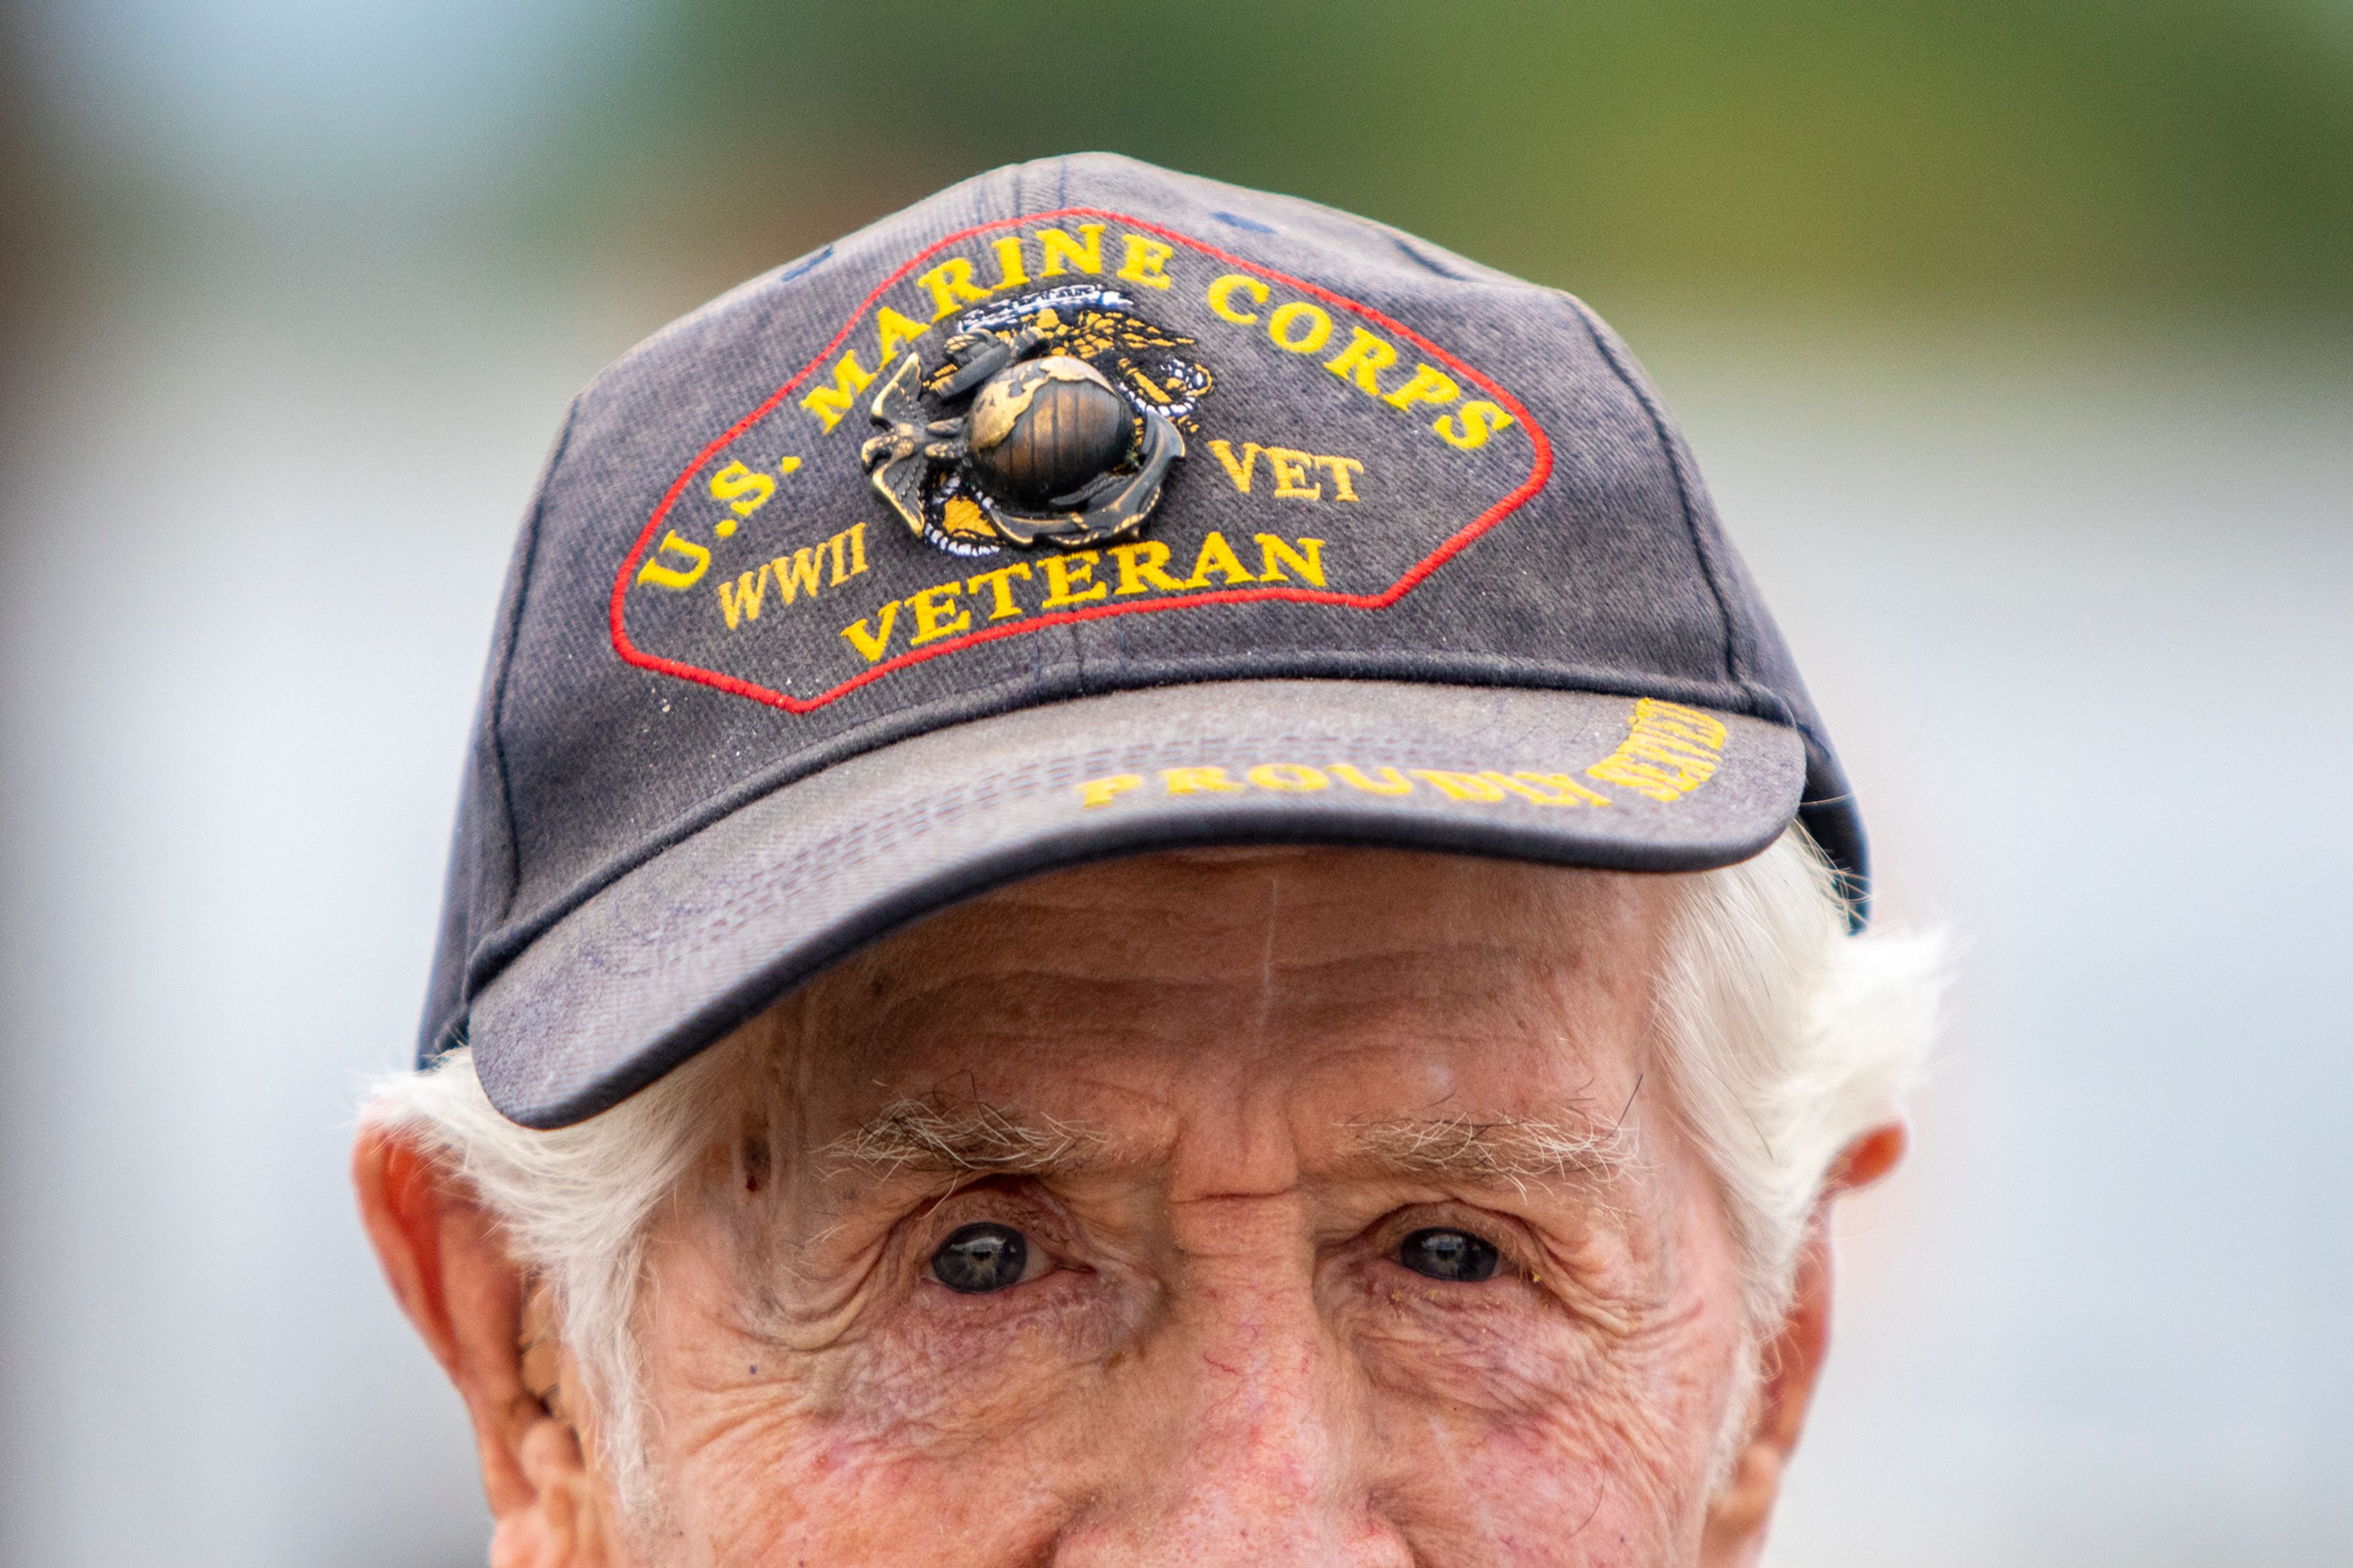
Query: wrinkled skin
(1214, 1094)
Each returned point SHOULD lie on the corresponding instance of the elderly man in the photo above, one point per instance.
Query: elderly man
(1139, 885)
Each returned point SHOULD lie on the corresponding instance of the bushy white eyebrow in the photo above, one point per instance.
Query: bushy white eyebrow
(974, 1138)
(967, 1137)
(1490, 1150)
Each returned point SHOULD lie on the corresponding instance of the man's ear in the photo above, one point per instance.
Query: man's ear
(1790, 1364)
(444, 1257)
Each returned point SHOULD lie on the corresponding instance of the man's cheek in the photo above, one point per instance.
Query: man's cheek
(882, 1471)
(1522, 1422)
(1512, 1348)
(923, 1397)
(785, 1491)
(943, 1372)
(1524, 1496)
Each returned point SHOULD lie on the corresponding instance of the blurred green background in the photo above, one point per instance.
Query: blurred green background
(2138, 157)
(2134, 161)
(2016, 342)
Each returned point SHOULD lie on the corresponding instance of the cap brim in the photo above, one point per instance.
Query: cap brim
(680, 949)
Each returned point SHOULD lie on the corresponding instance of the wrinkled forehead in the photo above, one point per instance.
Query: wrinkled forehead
(1338, 986)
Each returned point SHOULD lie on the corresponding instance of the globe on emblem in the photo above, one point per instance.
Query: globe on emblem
(1041, 429)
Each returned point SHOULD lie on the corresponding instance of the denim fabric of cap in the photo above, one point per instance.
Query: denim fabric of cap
(804, 636)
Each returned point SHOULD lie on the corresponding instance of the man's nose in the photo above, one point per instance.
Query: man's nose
(1254, 1446)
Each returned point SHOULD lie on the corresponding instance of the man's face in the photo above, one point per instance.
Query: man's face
(1283, 1207)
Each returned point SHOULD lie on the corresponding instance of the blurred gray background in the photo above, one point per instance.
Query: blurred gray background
(2016, 342)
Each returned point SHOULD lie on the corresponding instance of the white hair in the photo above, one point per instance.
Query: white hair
(576, 1206)
(1786, 1037)
(1783, 1038)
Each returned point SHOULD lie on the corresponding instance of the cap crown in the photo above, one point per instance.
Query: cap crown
(1396, 464)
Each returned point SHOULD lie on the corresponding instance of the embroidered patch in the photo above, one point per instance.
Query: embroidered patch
(1092, 417)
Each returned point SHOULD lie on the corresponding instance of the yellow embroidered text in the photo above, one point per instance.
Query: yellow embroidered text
(1488, 786)
(1290, 475)
(1079, 577)
(1669, 750)
(797, 575)
(1305, 328)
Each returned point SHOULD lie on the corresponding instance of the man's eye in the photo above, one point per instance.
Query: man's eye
(979, 1258)
(1449, 1255)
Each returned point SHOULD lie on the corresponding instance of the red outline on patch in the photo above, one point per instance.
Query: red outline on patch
(1413, 574)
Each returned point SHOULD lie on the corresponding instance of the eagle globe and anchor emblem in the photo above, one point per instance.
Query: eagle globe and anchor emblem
(1078, 408)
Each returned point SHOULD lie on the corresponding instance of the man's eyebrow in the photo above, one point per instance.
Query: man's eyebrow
(928, 1137)
(963, 1138)
(1495, 1150)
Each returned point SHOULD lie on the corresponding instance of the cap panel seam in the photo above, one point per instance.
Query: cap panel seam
(1733, 664)
(511, 632)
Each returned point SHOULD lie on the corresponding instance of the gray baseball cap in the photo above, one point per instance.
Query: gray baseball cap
(1080, 509)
